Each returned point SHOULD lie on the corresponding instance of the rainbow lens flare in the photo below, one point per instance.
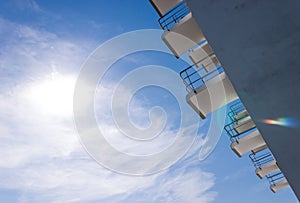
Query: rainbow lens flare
(288, 122)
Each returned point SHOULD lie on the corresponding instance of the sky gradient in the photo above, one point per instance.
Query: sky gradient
(43, 46)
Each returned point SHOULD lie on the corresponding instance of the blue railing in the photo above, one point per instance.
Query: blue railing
(262, 158)
(235, 109)
(233, 134)
(194, 77)
(174, 15)
(275, 177)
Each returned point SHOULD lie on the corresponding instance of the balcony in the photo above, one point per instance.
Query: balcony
(251, 142)
(202, 52)
(242, 131)
(173, 16)
(277, 181)
(164, 7)
(207, 91)
(279, 185)
(243, 124)
(266, 166)
(181, 31)
(240, 121)
(264, 163)
(183, 36)
(237, 111)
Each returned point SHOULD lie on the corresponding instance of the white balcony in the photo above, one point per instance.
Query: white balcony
(211, 96)
(242, 114)
(266, 169)
(183, 36)
(204, 55)
(243, 125)
(279, 185)
(163, 6)
(251, 142)
(258, 149)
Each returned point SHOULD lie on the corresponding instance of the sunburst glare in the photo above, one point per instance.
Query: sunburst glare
(53, 95)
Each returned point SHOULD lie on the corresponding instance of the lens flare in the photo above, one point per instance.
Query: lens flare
(288, 122)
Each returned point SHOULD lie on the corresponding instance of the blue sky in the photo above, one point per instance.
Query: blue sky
(44, 44)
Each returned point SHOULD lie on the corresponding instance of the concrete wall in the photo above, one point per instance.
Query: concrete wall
(258, 42)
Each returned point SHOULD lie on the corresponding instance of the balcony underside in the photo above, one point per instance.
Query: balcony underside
(242, 114)
(183, 36)
(243, 125)
(204, 55)
(251, 142)
(267, 169)
(216, 93)
(162, 6)
(258, 149)
(280, 185)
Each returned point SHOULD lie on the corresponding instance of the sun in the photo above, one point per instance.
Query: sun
(53, 95)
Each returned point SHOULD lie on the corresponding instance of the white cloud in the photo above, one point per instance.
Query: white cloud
(31, 5)
(180, 184)
(41, 154)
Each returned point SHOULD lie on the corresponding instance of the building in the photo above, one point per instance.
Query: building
(243, 53)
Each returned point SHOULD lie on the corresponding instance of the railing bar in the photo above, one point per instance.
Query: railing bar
(174, 15)
(174, 8)
(198, 62)
(190, 75)
(210, 73)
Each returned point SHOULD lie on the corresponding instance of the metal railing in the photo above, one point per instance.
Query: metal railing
(261, 159)
(275, 178)
(264, 158)
(174, 15)
(235, 109)
(233, 134)
(193, 76)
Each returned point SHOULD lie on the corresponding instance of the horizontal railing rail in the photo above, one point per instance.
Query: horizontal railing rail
(233, 134)
(235, 118)
(235, 109)
(174, 15)
(275, 178)
(262, 159)
(193, 76)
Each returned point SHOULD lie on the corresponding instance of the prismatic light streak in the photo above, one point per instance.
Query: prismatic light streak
(288, 122)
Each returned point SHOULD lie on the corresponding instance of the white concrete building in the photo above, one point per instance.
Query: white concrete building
(247, 52)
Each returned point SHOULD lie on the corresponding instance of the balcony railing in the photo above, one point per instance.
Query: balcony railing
(237, 111)
(239, 125)
(242, 131)
(174, 15)
(266, 166)
(262, 159)
(277, 182)
(194, 77)
(275, 178)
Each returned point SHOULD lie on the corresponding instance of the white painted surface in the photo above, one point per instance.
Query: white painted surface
(204, 55)
(280, 185)
(267, 169)
(243, 125)
(162, 6)
(247, 143)
(183, 36)
(258, 149)
(258, 43)
(216, 93)
(241, 114)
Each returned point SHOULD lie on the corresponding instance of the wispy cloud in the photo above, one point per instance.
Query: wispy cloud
(27, 4)
(41, 154)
